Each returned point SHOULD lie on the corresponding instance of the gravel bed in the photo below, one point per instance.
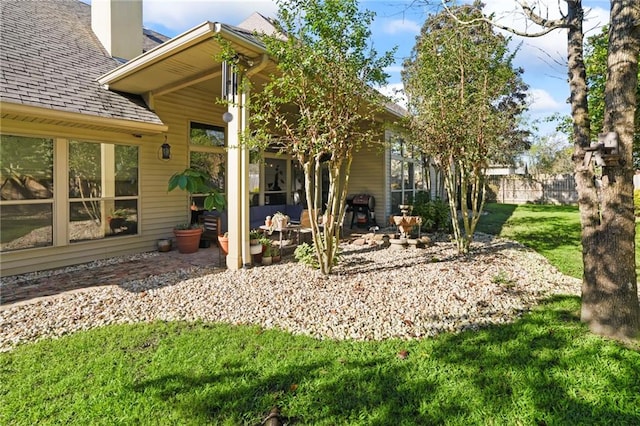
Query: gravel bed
(375, 293)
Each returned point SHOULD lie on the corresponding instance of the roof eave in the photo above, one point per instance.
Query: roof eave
(175, 45)
(120, 125)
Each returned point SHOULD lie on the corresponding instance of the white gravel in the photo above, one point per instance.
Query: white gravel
(375, 293)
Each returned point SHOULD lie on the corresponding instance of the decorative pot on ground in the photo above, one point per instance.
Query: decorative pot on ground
(164, 245)
(267, 252)
(275, 255)
(188, 240)
(223, 242)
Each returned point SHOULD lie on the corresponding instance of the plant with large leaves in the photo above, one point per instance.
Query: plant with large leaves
(198, 182)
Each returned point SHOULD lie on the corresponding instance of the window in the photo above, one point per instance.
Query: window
(275, 185)
(103, 190)
(206, 135)
(405, 174)
(207, 153)
(26, 182)
(271, 180)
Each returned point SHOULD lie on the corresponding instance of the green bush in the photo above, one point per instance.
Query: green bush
(636, 202)
(306, 253)
(434, 213)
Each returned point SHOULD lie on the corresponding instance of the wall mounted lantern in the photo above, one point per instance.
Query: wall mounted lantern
(166, 149)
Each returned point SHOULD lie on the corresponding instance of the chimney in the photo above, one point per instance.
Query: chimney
(118, 26)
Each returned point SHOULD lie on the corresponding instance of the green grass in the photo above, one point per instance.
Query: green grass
(552, 231)
(543, 369)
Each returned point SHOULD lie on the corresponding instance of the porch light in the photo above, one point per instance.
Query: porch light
(166, 150)
(227, 117)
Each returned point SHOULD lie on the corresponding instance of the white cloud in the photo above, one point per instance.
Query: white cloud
(395, 91)
(541, 100)
(395, 26)
(180, 15)
(394, 69)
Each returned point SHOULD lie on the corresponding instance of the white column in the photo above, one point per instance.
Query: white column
(238, 187)
(243, 114)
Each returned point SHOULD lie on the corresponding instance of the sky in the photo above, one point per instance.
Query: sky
(398, 22)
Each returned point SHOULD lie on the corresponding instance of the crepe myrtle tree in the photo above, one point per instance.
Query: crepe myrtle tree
(605, 191)
(465, 103)
(319, 105)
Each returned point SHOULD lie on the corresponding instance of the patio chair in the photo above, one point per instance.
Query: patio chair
(212, 227)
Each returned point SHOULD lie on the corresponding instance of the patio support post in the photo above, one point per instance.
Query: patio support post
(237, 186)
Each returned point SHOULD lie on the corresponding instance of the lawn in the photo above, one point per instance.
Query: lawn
(553, 231)
(543, 369)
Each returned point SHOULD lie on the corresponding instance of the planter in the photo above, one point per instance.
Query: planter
(276, 259)
(223, 242)
(188, 240)
(164, 245)
(267, 260)
(255, 248)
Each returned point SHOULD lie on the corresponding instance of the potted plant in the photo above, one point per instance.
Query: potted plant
(223, 242)
(195, 182)
(266, 255)
(255, 246)
(187, 237)
(275, 254)
(279, 221)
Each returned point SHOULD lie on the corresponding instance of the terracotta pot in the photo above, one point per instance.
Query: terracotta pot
(223, 242)
(188, 240)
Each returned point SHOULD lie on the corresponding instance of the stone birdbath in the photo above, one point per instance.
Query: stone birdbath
(405, 224)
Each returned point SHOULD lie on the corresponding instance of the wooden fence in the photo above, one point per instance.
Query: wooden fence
(543, 189)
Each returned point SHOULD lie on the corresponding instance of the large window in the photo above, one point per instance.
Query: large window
(406, 174)
(103, 190)
(26, 182)
(100, 200)
(207, 153)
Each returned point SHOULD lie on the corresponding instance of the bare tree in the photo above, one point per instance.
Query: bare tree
(609, 288)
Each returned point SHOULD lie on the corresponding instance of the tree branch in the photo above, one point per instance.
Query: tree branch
(548, 25)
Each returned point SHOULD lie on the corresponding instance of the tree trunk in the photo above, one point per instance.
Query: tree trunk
(609, 288)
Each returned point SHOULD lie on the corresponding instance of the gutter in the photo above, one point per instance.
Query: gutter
(90, 121)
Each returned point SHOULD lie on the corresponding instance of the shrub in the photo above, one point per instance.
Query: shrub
(434, 213)
(306, 254)
(636, 202)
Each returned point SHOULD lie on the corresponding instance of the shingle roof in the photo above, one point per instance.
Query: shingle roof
(49, 57)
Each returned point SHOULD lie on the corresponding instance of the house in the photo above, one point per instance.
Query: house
(88, 101)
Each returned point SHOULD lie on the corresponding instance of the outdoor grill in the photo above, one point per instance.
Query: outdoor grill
(362, 207)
